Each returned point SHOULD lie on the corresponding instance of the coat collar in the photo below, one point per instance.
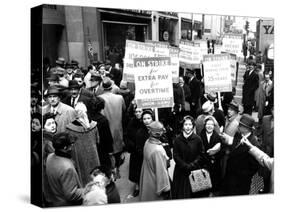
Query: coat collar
(81, 129)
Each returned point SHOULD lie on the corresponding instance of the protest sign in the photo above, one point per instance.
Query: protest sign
(135, 49)
(232, 43)
(190, 52)
(153, 81)
(217, 73)
(175, 63)
(161, 49)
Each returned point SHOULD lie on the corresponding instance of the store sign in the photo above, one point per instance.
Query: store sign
(190, 52)
(217, 73)
(153, 81)
(233, 44)
(135, 49)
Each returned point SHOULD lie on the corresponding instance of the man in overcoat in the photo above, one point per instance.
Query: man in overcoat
(64, 114)
(65, 187)
(251, 83)
(241, 166)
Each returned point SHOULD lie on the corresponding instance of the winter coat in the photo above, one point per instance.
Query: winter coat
(154, 179)
(113, 111)
(188, 155)
(84, 153)
(64, 181)
(240, 168)
(105, 146)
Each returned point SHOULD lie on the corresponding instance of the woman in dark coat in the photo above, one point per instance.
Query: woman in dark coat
(141, 136)
(212, 145)
(188, 155)
(105, 146)
(134, 125)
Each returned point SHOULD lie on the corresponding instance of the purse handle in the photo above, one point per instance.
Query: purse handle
(202, 170)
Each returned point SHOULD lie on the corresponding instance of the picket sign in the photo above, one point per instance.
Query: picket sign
(153, 81)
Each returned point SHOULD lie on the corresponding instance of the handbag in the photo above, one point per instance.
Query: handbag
(200, 180)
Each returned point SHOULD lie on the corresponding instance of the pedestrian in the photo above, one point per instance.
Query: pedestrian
(208, 110)
(142, 134)
(113, 111)
(105, 146)
(49, 130)
(212, 146)
(133, 126)
(241, 166)
(264, 90)
(188, 154)
(251, 83)
(265, 161)
(154, 178)
(63, 179)
(95, 84)
(35, 102)
(195, 88)
(84, 154)
(64, 114)
(78, 94)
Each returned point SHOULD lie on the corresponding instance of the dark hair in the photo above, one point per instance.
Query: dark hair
(48, 116)
(37, 116)
(209, 118)
(188, 118)
(147, 111)
(62, 140)
(102, 169)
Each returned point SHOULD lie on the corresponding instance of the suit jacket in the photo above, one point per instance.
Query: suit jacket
(251, 83)
(87, 97)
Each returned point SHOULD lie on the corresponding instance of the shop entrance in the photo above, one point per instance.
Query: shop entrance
(115, 36)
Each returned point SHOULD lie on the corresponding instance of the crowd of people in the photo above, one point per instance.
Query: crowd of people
(88, 118)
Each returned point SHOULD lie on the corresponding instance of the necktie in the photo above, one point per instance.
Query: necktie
(72, 102)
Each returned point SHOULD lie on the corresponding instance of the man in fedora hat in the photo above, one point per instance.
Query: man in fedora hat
(113, 111)
(233, 118)
(95, 84)
(251, 83)
(64, 113)
(195, 88)
(241, 166)
(79, 94)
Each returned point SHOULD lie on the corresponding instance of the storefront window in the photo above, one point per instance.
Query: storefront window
(167, 30)
(186, 29)
(115, 39)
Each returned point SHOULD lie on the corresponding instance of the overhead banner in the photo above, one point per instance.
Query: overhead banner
(190, 52)
(153, 81)
(217, 73)
(135, 49)
(232, 43)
